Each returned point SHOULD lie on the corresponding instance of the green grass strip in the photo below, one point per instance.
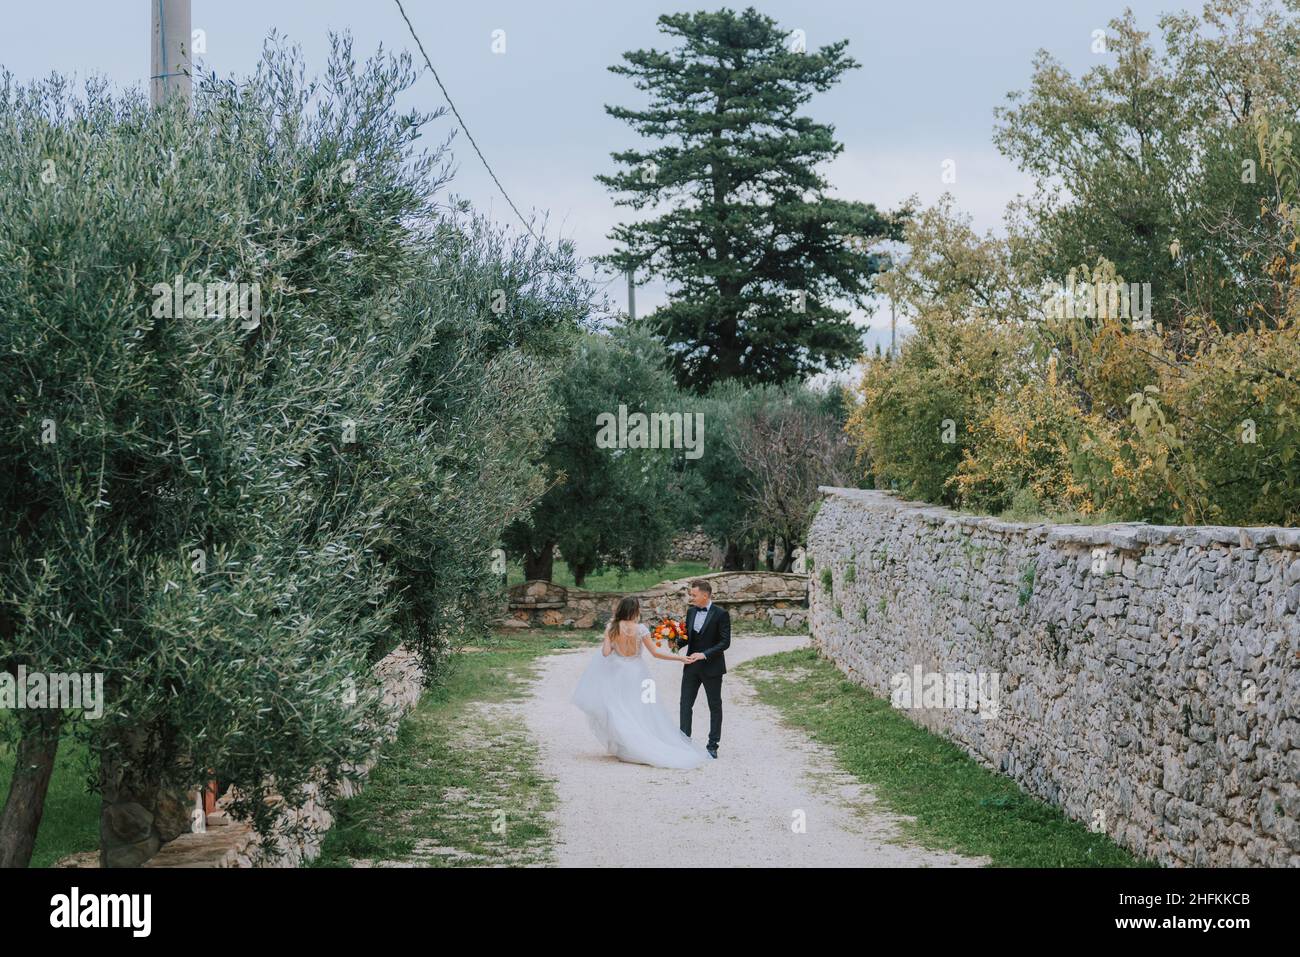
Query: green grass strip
(958, 805)
(460, 785)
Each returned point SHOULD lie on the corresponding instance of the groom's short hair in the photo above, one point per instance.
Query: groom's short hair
(703, 586)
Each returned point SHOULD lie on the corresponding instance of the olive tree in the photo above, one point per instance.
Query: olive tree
(230, 504)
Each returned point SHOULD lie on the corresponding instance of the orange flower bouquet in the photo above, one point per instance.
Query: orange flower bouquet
(672, 631)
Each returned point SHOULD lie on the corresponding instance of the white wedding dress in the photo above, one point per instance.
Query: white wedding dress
(620, 700)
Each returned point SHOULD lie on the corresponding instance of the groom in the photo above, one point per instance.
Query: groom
(708, 633)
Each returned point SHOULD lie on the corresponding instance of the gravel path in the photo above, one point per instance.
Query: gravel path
(737, 811)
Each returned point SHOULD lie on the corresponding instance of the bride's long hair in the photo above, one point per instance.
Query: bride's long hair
(628, 609)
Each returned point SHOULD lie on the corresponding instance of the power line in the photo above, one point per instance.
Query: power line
(461, 120)
(409, 26)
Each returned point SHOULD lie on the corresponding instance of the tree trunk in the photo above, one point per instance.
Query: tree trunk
(769, 554)
(129, 790)
(731, 556)
(787, 555)
(539, 566)
(579, 576)
(21, 817)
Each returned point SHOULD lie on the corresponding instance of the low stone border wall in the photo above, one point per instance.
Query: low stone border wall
(1147, 678)
(230, 843)
(778, 599)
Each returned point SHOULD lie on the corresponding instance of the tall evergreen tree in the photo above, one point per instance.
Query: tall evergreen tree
(756, 255)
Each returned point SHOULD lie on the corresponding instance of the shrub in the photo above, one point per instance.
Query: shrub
(1238, 417)
(1027, 578)
(1023, 444)
(912, 415)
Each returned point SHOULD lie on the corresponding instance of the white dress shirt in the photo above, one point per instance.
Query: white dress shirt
(700, 615)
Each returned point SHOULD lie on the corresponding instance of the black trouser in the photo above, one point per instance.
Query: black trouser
(713, 694)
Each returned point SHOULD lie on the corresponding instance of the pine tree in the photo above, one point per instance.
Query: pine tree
(757, 257)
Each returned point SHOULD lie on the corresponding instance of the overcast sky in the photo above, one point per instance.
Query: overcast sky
(932, 72)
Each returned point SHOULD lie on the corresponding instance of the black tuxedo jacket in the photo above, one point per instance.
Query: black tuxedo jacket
(713, 639)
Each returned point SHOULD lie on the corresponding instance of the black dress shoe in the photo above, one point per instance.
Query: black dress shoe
(713, 752)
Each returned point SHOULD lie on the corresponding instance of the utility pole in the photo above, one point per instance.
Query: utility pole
(893, 328)
(169, 75)
(887, 264)
(128, 795)
(631, 296)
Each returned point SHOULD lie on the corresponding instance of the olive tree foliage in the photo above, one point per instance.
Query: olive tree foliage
(232, 516)
(487, 391)
(717, 483)
(606, 506)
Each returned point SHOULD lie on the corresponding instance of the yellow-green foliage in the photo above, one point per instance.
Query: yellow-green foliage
(1024, 441)
(1238, 412)
(1089, 416)
(1211, 437)
(1152, 172)
(912, 421)
(913, 413)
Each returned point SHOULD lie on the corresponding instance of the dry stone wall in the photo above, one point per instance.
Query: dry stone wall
(1146, 679)
(693, 546)
(778, 599)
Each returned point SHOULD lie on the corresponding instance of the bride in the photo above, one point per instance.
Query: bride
(618, 696)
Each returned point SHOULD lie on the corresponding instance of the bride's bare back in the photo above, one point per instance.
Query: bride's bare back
(626, 639)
